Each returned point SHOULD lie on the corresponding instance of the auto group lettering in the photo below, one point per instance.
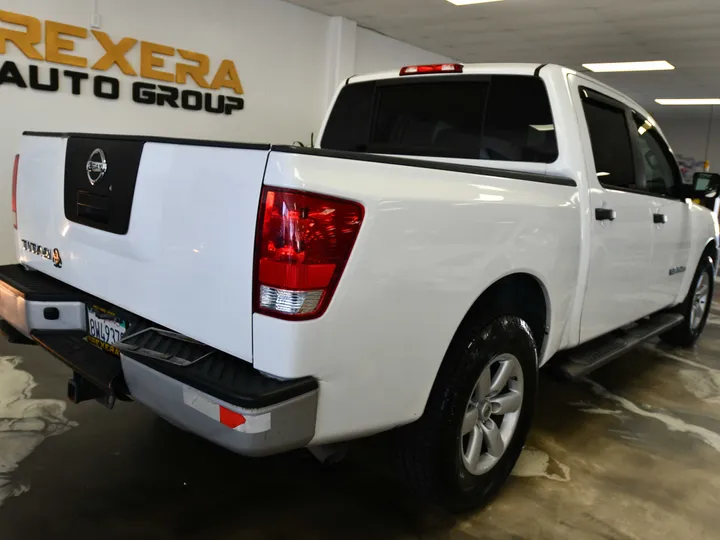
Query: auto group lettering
(26, 33)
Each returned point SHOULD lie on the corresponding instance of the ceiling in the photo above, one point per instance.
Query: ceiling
(569, 32)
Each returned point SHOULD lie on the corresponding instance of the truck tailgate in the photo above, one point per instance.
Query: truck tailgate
(166, 232)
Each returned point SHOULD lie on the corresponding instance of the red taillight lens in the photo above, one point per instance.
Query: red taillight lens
(16, 164)
(304, 242)
(432, 68)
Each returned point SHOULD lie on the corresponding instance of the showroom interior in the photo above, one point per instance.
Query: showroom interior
(630, 451)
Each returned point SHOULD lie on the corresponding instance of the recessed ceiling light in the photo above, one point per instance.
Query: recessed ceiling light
(700, 101)
(469, 2)
(655, 65)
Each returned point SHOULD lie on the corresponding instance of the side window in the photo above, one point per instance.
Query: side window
(349, 123)
(519, 125)
(661, 175)
(611, 145)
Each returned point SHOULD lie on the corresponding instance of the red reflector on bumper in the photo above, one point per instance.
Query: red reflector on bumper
(230, 418)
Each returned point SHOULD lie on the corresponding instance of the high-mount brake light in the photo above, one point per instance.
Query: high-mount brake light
(431, 68)
(303, 244)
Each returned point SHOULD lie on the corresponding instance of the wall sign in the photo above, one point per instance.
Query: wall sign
(26, 34)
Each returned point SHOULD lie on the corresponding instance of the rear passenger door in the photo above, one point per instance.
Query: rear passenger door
(618, 289)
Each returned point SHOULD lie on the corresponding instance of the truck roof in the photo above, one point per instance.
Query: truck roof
(503, 69)
(468, 69)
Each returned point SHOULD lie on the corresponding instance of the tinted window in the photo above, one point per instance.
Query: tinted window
(611, 145)
(426, 119)
(349, 122)
(500, 117)
(518, 122)
(661, 175)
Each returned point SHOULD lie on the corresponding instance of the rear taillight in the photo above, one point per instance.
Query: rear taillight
(16, 164)
(304, 241)
(431, 68)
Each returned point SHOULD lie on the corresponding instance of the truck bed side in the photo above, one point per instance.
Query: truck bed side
(434, 237)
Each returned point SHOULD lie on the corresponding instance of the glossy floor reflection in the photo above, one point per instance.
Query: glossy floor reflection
(632, 453)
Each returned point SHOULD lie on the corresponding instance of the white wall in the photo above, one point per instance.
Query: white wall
(689, 138)
(280, 77)
(281, 52)
(375, 52)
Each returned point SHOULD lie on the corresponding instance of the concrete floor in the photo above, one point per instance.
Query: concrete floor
(632, 453)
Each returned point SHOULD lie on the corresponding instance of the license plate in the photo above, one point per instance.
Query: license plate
(105, 329)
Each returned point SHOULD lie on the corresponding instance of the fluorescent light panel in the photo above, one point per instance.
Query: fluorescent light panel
(655, 65)
(470, 2)
(693, 101)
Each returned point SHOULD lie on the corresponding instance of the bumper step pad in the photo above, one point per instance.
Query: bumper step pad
(95, 366)
(36, 286)
(216, 373)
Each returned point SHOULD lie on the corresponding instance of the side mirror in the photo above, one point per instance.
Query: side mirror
(705, 185)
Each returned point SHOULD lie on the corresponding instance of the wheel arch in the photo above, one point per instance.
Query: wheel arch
(711, 250)
(707, 247)
(521, 294)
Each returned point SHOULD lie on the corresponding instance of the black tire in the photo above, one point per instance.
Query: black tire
(684, 335)
(429, 451)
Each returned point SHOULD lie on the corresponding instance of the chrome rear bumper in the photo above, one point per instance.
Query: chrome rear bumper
(216, 396)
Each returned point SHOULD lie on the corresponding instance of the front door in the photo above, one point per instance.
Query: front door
(671, 213)
(618, 290)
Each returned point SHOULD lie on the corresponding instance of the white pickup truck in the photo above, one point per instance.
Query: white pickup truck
(457, 227)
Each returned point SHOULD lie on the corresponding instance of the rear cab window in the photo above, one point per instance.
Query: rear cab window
(497, 117)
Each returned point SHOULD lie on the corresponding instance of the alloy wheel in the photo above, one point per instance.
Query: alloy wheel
(492, 414)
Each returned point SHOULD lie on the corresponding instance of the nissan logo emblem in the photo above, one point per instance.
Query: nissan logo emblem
(96, 166)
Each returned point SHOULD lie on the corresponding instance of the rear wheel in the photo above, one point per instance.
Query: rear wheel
(477, 418)
(695, 308)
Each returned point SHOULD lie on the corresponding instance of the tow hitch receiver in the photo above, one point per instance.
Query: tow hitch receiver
(80, 389)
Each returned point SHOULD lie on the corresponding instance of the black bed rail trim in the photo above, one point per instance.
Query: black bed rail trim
(538, 69)
(151, 139)
(356, 156)
(423, 164)
(36, 286)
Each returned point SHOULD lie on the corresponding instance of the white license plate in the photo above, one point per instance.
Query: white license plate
(105, 328)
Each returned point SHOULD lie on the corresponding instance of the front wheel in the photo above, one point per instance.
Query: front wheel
(477, 418)
(695, 308)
